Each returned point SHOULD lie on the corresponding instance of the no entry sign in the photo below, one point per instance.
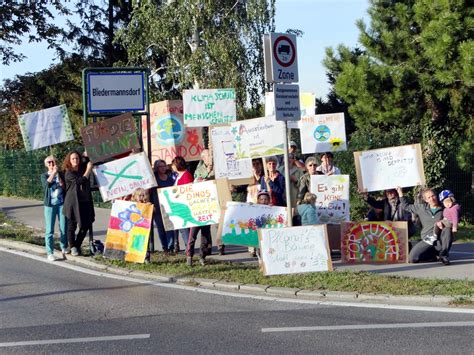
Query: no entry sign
(281, 65)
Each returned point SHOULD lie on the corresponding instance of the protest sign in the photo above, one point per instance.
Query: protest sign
(189, 205)
(323, 133)
(224, 153)
(123, 176)
(258, 137)
(242, 220)
(204, 108)
(110, 137)
(374, 242)
(332, 197)
(294, 250)
(128, 231)
(387, 168)
(307, 107)
(46, 127)
(169, 137)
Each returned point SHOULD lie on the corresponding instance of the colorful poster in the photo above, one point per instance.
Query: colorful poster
(128, 231)
(46, 127)
(374, 242)
(224, 153)
(332, 197)
(203, 108)
(307, 107)
(242, 220)
(189, 205)
(323, 133)
(295, 250)
(121, 177)
(169, 137)
(258, 137)
(110, 137)
(387, 168)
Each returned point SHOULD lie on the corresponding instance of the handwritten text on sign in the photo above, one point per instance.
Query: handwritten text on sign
(204, 108)
(323, 133)
(295, 250)
(332, 197)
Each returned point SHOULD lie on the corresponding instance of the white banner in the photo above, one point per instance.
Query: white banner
(323, 133)
(307, 107)
(332, 197)
(204, 108)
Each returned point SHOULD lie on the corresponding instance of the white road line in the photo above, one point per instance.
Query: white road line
(370, 326)
(74, 340)
(240, 295)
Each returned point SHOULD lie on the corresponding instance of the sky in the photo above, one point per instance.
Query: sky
(325, 23)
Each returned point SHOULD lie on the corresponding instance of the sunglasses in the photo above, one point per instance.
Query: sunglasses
(51, 162)
(311, 165)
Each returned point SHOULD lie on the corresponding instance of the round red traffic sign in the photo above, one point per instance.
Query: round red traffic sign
(284, 51)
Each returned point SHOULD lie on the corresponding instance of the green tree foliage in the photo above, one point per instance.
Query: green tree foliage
(416, 68)
(201, 43)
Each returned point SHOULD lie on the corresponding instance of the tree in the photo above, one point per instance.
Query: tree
(416, 68)
(197, 43)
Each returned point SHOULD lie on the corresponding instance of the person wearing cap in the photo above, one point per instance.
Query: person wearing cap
(451, 213)
(304, 182)
(327, 167)
(295, 173)
(274, 183)
(294, 150)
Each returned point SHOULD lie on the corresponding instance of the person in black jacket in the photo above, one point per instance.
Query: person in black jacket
(78, 205)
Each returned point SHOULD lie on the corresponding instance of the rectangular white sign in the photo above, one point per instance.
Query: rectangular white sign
(204, 108)
(323, 133)
(121, 177)
(115, 92)
(287, 102)
(332, 197)
(307, 107)
(46, 127)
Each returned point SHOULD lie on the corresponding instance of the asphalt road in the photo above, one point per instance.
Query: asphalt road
(70, 311)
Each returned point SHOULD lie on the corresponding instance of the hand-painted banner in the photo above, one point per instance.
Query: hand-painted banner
(242, 220)
(123, 176)
(169, 137)
(258, 137)
(374, 242)
(332, 197)
(204, 108)
(189, 205)
(387, 168)
(110, 137)
(307, 107)
(224, 153)
(295, 250)
(323, 133)
(46, 127)
(128, 231)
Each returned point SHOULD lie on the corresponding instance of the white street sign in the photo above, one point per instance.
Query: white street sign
(281, 64)
(287, 102)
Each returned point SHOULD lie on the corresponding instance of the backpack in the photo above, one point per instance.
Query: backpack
(96, 247)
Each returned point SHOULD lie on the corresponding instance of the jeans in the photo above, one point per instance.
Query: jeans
(166, 237)
(184, 235)
(50, 214)
(426, 252)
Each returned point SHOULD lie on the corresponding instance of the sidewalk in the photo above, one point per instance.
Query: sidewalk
(30, 212)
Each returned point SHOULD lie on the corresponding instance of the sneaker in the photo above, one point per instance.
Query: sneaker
(202, 261)
(189, 260)
(74, 251)
(445, 260)
(65, 251)
(51, 257)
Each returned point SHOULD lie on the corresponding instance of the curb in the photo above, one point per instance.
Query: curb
(255, 289)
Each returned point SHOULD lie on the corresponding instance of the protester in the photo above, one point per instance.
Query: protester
(258, 177)
(294, 150)
(204, 170)
(274, 183)
(307, 210)
(451, 213)
(183, 177)
(54, 194)
(305, 181)
(327, 167)
(141, 195)
(163, 179)
(295, 175)
(263, 198)
(78, 205)
(429, 212)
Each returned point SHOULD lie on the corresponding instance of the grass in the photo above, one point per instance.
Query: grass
(465, 234)
(348, 281)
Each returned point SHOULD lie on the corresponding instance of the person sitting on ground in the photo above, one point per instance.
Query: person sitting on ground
(327, 166)
(274, 183)
(54, 194)
(307, 210)
(429, 213)
(305, 181)
(451, 213)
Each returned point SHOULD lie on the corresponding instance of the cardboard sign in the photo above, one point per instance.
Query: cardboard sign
(46, 127)
(189, 205)
(387, 168)
(123, 176)
(128, 231)
(242, 220)
(204, 108)
(169, 137)
(258, 137)
(374, 242)
(323, 133)
(224, 153)
(332, 197)
(307, 107)
(295, 250)
(110, 137)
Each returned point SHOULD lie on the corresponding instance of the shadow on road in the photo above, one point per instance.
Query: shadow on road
(20, 207)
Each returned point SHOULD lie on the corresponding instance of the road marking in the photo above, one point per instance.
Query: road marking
(370, 326)
(75, 340)
(238, 295)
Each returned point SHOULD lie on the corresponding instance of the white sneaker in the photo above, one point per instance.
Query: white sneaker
(64, 251)
(74, 251)
(51, 257)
